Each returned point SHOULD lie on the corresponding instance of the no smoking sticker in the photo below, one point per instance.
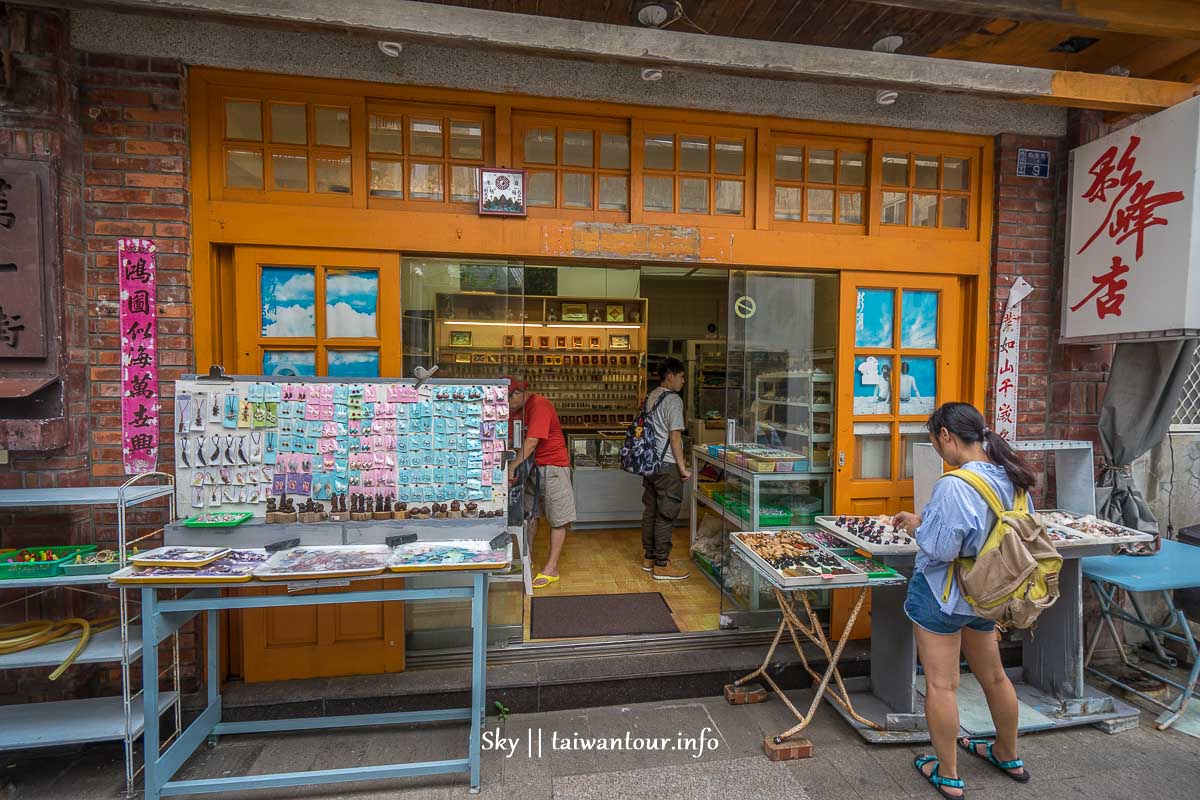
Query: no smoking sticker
(745, 307)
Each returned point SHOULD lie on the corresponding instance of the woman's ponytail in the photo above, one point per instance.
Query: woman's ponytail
(965, 422)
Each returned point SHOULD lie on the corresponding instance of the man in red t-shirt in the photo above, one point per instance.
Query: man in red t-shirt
(545, 443)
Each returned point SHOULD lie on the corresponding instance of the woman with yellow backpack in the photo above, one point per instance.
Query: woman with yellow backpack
(957, 527)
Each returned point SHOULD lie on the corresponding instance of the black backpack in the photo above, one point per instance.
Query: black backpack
(640, 454)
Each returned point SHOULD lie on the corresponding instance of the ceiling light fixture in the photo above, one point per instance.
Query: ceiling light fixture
(654, 13)
(887, 44)
(391, 49)
(652, 74)
(886, 97)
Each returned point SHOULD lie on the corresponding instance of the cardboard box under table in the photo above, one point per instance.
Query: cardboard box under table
(1050, 681)
(791, 588)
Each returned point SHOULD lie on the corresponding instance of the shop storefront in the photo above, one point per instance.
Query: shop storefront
(824, 284)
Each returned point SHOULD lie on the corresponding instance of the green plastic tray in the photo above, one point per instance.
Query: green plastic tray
(89, 569)
(196, 522)
(881, 570)
(41, 569)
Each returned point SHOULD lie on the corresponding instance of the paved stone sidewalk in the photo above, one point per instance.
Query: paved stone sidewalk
(1076, 763)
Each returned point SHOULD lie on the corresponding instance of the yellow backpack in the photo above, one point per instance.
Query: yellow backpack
(1014, 577)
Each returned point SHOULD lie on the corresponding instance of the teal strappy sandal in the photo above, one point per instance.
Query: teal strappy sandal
(972, 747)
(938, 781)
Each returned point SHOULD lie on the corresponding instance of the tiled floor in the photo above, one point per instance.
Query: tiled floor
(610, 562)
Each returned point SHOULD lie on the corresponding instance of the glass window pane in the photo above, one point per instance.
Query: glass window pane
(614, 193)
(874, 315)
(873, 450)
(244, 169)
(425, 181)
(539, 146)
(693, 154)
(659, 152)
(333, 174)
(852, 169)
(873, 384)
(290, 171)
(425, 137)
(386, 134)
(895, 208)
(693, 195)
(352, 363)
(243, 120)
(289, 123)
(956, 173)
(577, 190)
(289, 302)
(332, 126)
(301, 363)
(787, 202)
(850, 208)
(917, 386)
(918, 319)
(541, 189)
(789, 163)
(577, 148)
(954, 211)
(466, 139)
(464, 184)
(820, 205)
(924, 210)
(895, 169)
(821, 166)
(927, 172)
(657, 194)
(351, 300)
(614, 151)
(730, 197)
(731, 157)
(387, 179)
(911, 433)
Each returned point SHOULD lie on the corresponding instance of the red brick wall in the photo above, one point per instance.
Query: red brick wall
(114, 131)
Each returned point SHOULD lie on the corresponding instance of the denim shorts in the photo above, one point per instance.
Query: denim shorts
(922, 608)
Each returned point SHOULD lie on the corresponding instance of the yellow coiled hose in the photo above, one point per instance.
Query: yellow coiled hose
(35, 633)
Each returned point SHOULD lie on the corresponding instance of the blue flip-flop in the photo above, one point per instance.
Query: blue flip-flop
(938, 781)
(972, 747)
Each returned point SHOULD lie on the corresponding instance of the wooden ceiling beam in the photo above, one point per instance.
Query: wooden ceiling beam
(562, 38)
(1169, 19)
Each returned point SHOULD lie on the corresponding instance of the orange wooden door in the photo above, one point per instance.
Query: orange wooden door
(323, 641)
(307, 312)
(900, 345)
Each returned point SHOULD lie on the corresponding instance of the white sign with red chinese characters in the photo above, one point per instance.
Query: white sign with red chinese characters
(1133, 256)
(1008, 361)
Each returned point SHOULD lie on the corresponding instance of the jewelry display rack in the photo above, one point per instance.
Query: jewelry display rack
(92, 719)
(1049, 684)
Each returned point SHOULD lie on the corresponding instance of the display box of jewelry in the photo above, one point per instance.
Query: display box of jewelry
(1068, 529)
(325, 561)
(874, 535)
(313, 450)
(449, 555)
(233, 566)
(789, 560)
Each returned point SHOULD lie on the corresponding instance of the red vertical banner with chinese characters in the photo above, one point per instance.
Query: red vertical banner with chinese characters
(1131, 255)
(1008, 361)
(139, 355)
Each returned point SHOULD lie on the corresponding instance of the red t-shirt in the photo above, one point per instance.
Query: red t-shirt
(541, 421)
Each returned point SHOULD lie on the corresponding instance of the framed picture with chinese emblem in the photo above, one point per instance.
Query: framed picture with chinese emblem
(502, 192)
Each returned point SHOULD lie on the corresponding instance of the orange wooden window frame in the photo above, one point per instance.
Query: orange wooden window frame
(713, 135)
(913, 151)
(523, 123)
(804, 184)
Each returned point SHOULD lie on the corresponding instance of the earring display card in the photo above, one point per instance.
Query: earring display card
(381, 447)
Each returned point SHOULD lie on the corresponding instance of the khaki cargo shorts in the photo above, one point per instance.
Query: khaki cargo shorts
(558, 496)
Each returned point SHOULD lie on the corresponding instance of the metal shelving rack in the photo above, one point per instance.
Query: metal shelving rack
(93, 719)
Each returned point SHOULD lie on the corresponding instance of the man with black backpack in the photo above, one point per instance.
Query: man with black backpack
(662, 494)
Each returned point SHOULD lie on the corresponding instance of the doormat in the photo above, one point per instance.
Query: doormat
(569, 616)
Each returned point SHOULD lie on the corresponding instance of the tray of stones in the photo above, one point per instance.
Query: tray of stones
(1063, 524)
(449, 555)
(874, 535)
(236, 566)
(831, 541)
(175, 556)
(791, 561)
(325, 561)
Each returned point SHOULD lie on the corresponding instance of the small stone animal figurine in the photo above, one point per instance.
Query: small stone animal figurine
(271, 508)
